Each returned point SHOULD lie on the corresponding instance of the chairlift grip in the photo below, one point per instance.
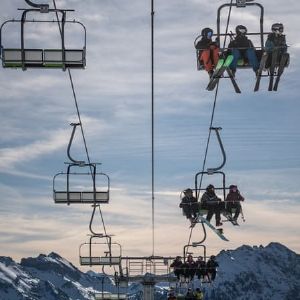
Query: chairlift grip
(43, 7)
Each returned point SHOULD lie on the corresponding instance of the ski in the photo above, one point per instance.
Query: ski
(219, 232)
(220, 69)
(229, 218)
(235, 85)
(216, 75)
(260, 70)
(283, 63)
(272, 69)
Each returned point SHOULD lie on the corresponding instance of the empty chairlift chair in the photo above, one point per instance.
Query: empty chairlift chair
(27, 56)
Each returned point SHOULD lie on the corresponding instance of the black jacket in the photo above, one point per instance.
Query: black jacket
(240, 42)
(205, 43)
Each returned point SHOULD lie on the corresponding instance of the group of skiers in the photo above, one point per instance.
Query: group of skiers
(213, 204)
(186, 270)
(242, 48)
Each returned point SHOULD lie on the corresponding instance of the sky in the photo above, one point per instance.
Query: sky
(259, 130)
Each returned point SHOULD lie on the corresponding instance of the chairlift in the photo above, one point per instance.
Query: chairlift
(68, 194)
(64, 188)
(90, 253)
(238, 4)
(26, 57)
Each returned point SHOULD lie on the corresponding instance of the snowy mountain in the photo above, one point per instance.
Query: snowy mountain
(260, 273)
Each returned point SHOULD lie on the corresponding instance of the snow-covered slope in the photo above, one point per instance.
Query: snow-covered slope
(260, 273)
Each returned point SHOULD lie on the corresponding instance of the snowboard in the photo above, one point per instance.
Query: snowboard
(219, 232)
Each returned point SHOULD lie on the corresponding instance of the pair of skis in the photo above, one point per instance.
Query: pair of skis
(222, 66)
(230, 219)
(280, 69)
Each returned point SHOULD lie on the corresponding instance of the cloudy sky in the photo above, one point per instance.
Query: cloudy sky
(260, 130)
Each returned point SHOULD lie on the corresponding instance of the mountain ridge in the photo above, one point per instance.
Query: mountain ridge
(246, 273)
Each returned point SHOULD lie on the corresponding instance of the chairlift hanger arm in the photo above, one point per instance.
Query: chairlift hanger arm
(211, 170)
(79, 162)
(91, 223)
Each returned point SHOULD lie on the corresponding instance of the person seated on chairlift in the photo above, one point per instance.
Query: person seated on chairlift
(233, 200)
(201, 270)
(212, 265)
(189, 268)
(242, 47)
(177, 266)
(189, 204)
(209, 51)
(212, 203)
(276, 45)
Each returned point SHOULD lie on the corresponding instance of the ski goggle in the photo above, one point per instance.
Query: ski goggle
(278, 30)
(209, 34)
(243, 31)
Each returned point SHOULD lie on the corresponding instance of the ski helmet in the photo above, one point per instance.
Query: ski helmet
(209, 187)
(232, 187)
(207, 32)
(241, 29)
(188, 191)
(277, 28)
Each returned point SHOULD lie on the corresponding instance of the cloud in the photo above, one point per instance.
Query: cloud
(17, 155)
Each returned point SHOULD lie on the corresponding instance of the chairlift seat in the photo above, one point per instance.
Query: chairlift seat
(100, 260)
(81, 197)
(106, 296)
(39, 58)
(12, 58)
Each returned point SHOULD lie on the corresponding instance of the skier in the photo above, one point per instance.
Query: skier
(233, 200)
(189, 268)
(189, 204)
(276, 44)
(201, 271)
(208, 51)
(212, 267)
(242, 47)
(210, 201)
(177, 265)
